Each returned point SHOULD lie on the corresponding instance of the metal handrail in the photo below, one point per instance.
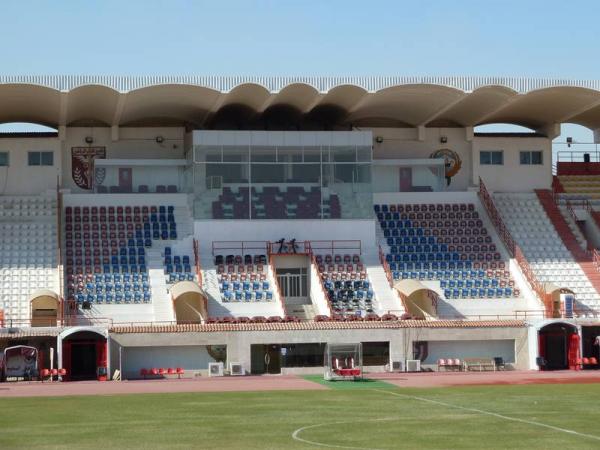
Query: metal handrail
(513, 249)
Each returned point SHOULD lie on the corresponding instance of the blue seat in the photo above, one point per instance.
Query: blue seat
(128, 297)
(137, 297)
(248, 296)
(258, 295)
(227, 295)
(146, 297)
(118, 297)
(238, 296)
(109, 298)
(269, 295)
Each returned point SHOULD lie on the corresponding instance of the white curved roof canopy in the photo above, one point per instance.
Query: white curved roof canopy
(340, 101)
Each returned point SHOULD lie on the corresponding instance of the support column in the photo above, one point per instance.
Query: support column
(551, 130)
(421, 133)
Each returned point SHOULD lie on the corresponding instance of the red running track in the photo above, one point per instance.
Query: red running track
(290, 382)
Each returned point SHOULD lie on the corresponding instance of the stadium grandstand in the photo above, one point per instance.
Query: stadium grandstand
(171, 224)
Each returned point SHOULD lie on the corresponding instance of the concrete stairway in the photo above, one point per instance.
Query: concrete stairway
(569, 239)
(387, 299)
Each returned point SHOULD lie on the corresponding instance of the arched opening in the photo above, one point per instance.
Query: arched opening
(419, 301)
(46, 308)
(558, 344)
(573, 143)
(25, 127)
(189, 303)
(560, 302)
(503, 128)
(84, 354)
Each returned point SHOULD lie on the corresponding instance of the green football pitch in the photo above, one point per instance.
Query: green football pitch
(346, 416)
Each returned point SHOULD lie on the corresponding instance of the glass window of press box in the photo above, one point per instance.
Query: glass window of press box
(268, 182)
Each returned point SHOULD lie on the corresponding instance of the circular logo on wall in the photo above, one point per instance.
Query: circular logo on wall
(452, 162)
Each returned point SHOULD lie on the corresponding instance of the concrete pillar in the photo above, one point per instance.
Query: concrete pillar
(469, 133)
(551, 130)
(421, 133)
(114, 133)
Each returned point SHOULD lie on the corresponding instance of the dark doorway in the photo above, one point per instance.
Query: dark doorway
(265, 359)
(405, 179)
(83, 361)
(559, 346)
(125, 179)
(83, 354)
(589, 349)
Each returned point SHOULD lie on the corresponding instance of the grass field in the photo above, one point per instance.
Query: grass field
(369, 416)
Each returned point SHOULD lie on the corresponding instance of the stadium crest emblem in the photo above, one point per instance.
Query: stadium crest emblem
(452, 162)
(82, 165)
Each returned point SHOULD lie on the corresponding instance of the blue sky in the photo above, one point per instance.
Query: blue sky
(269, 37)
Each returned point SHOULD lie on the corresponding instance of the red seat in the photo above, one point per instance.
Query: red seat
(62, 372)
(154, 371)
(593, 361)
(171, 371)
(180, 371)
(54, 372)
(143, 373)
(44, 373)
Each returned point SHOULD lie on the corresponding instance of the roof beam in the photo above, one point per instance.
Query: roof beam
(119, 109)
(496, 110)
(63, 108)
(583, 109)
(442, 110)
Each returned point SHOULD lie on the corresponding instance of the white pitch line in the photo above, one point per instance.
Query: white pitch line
(493, 414)
(295, 434)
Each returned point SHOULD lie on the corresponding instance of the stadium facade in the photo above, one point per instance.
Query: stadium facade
(174, 222)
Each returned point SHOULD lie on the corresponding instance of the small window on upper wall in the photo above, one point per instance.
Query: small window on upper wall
(40, 158)
(3, 159)
(491, 157)
(531, 158)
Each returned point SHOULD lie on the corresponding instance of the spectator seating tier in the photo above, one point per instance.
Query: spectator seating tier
(275, 203)
(445, 242)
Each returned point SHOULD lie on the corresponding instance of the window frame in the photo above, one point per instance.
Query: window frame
(491, 154)
(7, 153)
(530, 161)
(39, 158)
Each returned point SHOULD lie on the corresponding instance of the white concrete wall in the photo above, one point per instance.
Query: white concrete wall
(400, 339)
(207, 231)
(21, 179)
(512, 176)
(404, 143)
(132, 143)
(124, 199)
(193, 358)
(490, 348)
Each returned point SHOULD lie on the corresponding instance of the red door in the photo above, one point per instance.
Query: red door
(405, 179)
(125, 179)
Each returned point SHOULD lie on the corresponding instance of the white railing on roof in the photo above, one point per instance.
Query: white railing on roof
(277, 83)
